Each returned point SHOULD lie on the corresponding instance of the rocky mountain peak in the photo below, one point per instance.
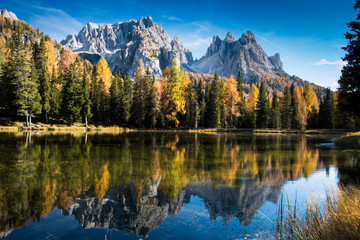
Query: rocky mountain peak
(229, 56)
(8, 14)
(124, 43)
(229, 37)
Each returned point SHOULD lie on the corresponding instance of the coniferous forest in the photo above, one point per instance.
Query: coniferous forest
(40, 79)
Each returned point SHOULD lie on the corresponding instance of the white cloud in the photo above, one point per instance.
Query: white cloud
(172, 18)
(326, 62)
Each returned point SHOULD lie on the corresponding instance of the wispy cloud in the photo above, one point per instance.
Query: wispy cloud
(55, 22)
(326, 62)
(172, 18)
(270, 42)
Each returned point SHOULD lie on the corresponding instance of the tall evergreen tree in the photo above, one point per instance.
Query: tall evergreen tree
(327, 112)
(86, 101)
(349, 90)
(286, 108)
(242, 102)
(55, 95)
(127, 98)
(213, 104)
(201, 102)
(276, 111)
(71, 93)
(116, 97)
(263, 111)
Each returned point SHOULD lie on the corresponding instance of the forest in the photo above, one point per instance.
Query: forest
(40, 79)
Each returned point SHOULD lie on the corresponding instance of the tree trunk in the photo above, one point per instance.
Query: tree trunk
(27, 120)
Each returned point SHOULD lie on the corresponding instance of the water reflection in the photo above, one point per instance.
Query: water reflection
(132, 182)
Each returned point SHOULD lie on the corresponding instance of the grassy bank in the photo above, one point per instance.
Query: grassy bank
(79, 127)
(349, 141)
(338, 218)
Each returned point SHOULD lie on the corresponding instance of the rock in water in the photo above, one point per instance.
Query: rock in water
(124, 43)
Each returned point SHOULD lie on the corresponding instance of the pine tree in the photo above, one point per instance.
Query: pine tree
(286, 108)
(263, 115)
(155, 103)
(192, 106)
(127, 99)
(201, 102)
(40, 58)
(327, 112)
(242, 102)
(116, 97)
(71, 93)
(55, 95)
(276, 111)
(213, 105)
(140, 96)
(86, 102)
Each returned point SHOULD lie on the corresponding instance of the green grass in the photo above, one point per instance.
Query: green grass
(349, 141)
(338, 218)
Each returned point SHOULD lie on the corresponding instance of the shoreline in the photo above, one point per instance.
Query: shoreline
(116, 129)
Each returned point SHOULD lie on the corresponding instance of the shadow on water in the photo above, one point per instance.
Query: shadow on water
(133, 182)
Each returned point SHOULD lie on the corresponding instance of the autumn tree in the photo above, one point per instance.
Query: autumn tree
(103, 73)
(300, 110)
(251, 105)
(312, 104)
(155, 103)
(177, 93)
(232, 99)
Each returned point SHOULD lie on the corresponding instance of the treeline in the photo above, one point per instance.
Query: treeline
(41, 78)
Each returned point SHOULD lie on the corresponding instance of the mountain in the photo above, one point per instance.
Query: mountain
(124, 43)
(229, 56)
(8, 14)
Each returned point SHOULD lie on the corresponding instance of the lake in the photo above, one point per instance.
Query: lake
(161, 185)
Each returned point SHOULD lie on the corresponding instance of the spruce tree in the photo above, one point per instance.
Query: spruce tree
(242, 103)
(116, 96)
(213, 106)
(327, 112)
(349, 90)
(276, 111)
(86, 101)
(286, 108)
(127, 97)
(263, 115)
(201, 102)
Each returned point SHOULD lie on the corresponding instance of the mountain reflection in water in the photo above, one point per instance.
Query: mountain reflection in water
(133, 182)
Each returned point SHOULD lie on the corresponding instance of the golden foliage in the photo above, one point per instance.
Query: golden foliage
(67, 58)
(252, 99)
(102, 185)
(103, 73)
(52, 58)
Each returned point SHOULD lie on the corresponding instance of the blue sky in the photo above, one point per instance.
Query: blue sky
(308, 34)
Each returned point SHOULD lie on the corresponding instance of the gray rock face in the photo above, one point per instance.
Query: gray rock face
(123, 44)
(229, 56)
(8, 14)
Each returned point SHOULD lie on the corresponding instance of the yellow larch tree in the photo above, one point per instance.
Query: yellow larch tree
(103, 73)
(52, 58)
(300, 111)
(231, 98)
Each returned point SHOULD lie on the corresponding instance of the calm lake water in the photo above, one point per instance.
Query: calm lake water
(160, 185)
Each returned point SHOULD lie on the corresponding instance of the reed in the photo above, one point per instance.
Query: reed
(337, 218)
